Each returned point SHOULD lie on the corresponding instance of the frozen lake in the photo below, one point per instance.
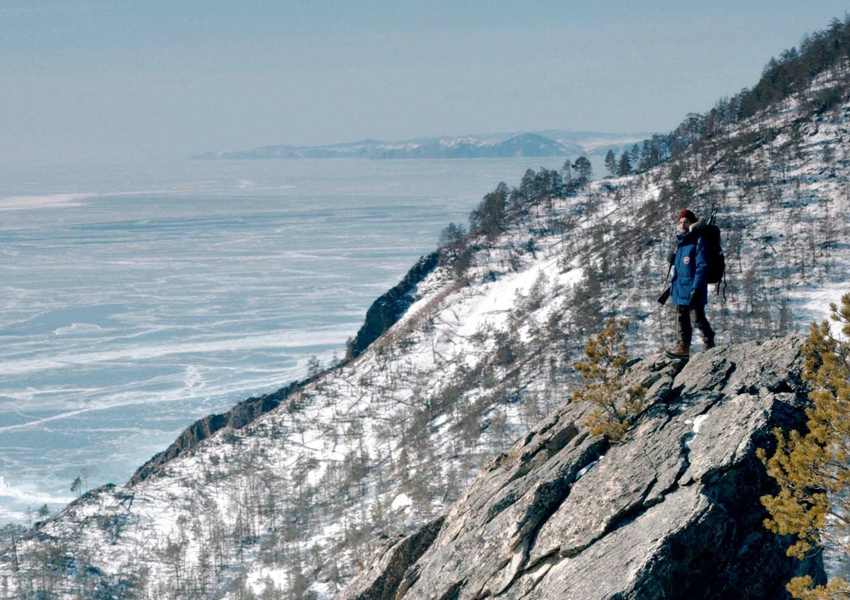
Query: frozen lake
(137, 299)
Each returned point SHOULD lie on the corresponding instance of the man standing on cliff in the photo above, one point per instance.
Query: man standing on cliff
(689, 288)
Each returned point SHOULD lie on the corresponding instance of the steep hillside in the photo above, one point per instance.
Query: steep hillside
(289, 500)
(670, 512)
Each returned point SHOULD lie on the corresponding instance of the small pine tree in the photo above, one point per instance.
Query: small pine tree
(634, 155)
(314, 366)
(77, 486)
(453, 239)
(624, 166)
(583, 167)
(611, 162)
(567, 171)
(616, 409)
(812, 470)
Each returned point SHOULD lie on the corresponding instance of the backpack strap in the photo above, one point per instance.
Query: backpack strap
(725, 285)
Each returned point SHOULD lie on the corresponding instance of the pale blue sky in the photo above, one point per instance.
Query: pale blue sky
(89, 80)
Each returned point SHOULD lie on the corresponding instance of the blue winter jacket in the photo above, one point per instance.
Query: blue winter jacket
(690, 269)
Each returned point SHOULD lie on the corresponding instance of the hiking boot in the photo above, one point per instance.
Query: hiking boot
(680, 352)
(708, 342)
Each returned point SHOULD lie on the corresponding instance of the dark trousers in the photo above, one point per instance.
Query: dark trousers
(688, 315)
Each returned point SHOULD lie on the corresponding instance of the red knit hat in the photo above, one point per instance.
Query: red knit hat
(688, 215)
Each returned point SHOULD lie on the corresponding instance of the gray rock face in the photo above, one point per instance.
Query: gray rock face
(388, 567)
(237, 417)
(389, 307)
(670, 512)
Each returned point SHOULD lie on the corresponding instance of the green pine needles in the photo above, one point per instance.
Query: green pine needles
(812, 470)
(606, 359)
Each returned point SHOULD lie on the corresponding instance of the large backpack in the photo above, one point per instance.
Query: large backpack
(710, 236)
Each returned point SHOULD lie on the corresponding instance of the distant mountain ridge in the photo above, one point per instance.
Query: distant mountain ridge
(547, 143)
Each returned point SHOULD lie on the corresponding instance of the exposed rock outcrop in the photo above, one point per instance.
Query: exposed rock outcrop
(237, 417)
(391, 562)
(670, 512)
(389, 307)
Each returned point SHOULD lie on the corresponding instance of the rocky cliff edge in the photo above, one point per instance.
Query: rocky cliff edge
(670, 512)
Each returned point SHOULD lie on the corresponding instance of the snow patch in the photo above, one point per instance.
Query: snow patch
(585, 470)
(696, 424)
(401, 501)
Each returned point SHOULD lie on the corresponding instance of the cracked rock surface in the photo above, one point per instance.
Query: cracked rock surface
(670, 512)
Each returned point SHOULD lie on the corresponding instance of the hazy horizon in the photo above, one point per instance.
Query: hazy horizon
(88, 80)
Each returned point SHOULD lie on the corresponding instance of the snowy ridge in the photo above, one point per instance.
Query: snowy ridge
(547, 143)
